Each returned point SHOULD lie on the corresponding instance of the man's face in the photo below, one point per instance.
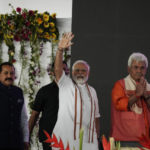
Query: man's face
(80, 73)
(137, 70)
(7, 75)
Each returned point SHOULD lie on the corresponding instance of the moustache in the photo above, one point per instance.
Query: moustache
(9, 79)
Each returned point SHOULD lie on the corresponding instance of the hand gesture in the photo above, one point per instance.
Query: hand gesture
(146, 95)
(65, 42)
(141, 86)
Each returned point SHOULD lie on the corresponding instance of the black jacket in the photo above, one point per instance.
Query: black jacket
(11, 102)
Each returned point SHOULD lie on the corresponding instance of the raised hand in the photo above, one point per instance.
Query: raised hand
(63, 45)
(65, 41)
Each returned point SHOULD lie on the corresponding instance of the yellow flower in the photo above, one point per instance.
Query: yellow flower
(39, 21)
(53, 35)
(46, 35)
(52, 30)
(9, 36)
(12, 27)
(40, 30)
(41, 36)
(52, 24)
(45, 17)
(12, 53)
(53, 15)
(5, 16)
(46, 24)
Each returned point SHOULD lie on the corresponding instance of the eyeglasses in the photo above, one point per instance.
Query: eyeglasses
(80, 70)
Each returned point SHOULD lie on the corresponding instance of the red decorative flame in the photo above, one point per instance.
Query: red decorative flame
(49, 140)
(55, 139)
(61, 145)
(54, 142)
(67, 148)
(106, 144)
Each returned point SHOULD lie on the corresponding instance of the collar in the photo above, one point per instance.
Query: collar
(4, 86)
(133, 81)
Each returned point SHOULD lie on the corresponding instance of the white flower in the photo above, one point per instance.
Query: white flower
(30, 81)
(32, 63)
(31, 71)
(30, 91)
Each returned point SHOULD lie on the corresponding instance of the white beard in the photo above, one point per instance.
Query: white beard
(80, 80)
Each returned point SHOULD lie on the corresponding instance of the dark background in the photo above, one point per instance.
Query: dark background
(106, 33)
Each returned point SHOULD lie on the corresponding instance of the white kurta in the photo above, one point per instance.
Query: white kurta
(65, 125)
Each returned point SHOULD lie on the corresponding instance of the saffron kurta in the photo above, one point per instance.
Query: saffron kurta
(128, 125)
(78, 106)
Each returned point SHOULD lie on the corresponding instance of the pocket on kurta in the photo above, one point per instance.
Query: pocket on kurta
(132, 124)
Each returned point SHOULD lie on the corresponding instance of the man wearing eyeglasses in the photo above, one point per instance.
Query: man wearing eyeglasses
(78, 103)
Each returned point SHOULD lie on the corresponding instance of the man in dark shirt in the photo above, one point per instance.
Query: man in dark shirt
(14, 125)
(47, 102)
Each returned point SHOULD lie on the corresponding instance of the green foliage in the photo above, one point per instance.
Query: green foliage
(27, 25)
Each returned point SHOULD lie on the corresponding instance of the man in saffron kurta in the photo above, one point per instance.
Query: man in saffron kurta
(130, 115)
(78, 103)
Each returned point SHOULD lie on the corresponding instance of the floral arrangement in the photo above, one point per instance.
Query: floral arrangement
(31, 30)
(26, 25)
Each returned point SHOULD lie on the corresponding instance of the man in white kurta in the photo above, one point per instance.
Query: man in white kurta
(78, 104)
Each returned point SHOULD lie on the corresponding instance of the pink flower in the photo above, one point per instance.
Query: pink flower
(14, 60)
(25, 37)
(8, 22)
(29, 32)
(24, 15)
(17, 38)
(31, 13)
(18, 9)
(22, 31)
(27, 23)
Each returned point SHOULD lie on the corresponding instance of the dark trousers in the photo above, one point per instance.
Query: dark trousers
(129, 144)
(46, 146)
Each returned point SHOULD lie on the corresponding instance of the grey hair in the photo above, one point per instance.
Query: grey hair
(137, 57)
(80, 61)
